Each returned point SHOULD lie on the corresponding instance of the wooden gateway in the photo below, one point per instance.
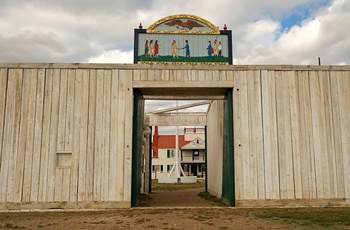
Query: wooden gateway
(72, 135)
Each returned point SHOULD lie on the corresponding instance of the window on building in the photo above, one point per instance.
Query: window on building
(168, 168)
(158, 168)
(195, 154)
(170, 153)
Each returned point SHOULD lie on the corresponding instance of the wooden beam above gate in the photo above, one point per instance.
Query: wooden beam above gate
(177, 119)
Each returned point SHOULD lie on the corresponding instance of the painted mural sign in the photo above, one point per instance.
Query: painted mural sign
(183, 39)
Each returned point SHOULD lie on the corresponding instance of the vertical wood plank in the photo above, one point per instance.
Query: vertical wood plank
(270, 134)
(121, 135)
(337, 124)
(29, 149)
(329, 158)
(295, 121)
(344, 95)
(320, 142)
(128, 134)
(115, 162)
(39, 110)
(106, 134)
(8, 135)
(45, 136)
(78, 85)
(52, 154)
(82, 193)
(22, 138)
(62, 112)
(68, 144)
(98, 136)
(16, 136)
(3, 93)
(91, 136)
(58, 184)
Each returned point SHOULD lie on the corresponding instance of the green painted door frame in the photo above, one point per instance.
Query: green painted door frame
(137, 147)
(228, 180)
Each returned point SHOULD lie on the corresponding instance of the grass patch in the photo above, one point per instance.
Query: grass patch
(212, 198)
(171, 187)
(322, 217)
(170, 59)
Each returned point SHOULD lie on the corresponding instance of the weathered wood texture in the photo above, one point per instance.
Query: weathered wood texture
(66, 129)
(65, 135)
(215, 132)
(291, 134)
(177, 119)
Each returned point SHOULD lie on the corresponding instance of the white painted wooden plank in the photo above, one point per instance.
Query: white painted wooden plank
(251, 154)
(91, 136)
(344, 95)
(66, 183)
(256, 133)
(3, 92)
(150, 75)
(136, 75)
(165, 75)
(329, 157)
(295, 121)
(319, 137)
(144, 75)
(29, 149)
(121, 135)
(58, 184)
(270, 134)
(39, 109)
(22, 138)
(303, 98)
(45, 136)
(68, 144)
(244, 147)
(98, 137)
(82, 193)
(78, 85)
(128, 134)
(62, 112)
(52, 154)
(115, 162)
(338, 148)
(237, 116)
(68, 193)
(11, 189)
(8, 135)
(106, 134)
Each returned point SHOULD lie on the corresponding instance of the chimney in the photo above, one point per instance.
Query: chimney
(155, 142)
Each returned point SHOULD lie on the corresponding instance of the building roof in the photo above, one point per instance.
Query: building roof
(168, 141)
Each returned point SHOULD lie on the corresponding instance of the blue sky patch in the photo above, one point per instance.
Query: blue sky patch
(301, 13)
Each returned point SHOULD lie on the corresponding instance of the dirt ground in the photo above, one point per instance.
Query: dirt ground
(181, 209)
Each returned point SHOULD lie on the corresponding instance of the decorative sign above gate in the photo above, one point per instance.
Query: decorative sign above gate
(183, 39)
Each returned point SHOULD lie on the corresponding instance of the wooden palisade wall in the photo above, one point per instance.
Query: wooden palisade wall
(66, 131)
(65, 138)
(292, 137)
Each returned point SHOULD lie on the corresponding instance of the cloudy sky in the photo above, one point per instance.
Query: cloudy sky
(86, 31)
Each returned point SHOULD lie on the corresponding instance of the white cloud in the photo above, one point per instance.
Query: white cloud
(113, 56)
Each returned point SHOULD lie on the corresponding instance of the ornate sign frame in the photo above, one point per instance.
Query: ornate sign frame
(183, 39)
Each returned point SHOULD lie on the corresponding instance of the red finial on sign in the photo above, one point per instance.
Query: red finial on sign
(225, 27)
(140, 26)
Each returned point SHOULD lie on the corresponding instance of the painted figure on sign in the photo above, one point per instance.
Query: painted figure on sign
(187, 48)
(215, 49)
(174, 49)
(209, 49)
(151, 48)
(156, 49)
(220, 49)
(146, 49)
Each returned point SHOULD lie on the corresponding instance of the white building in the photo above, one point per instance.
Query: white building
(192, 153)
